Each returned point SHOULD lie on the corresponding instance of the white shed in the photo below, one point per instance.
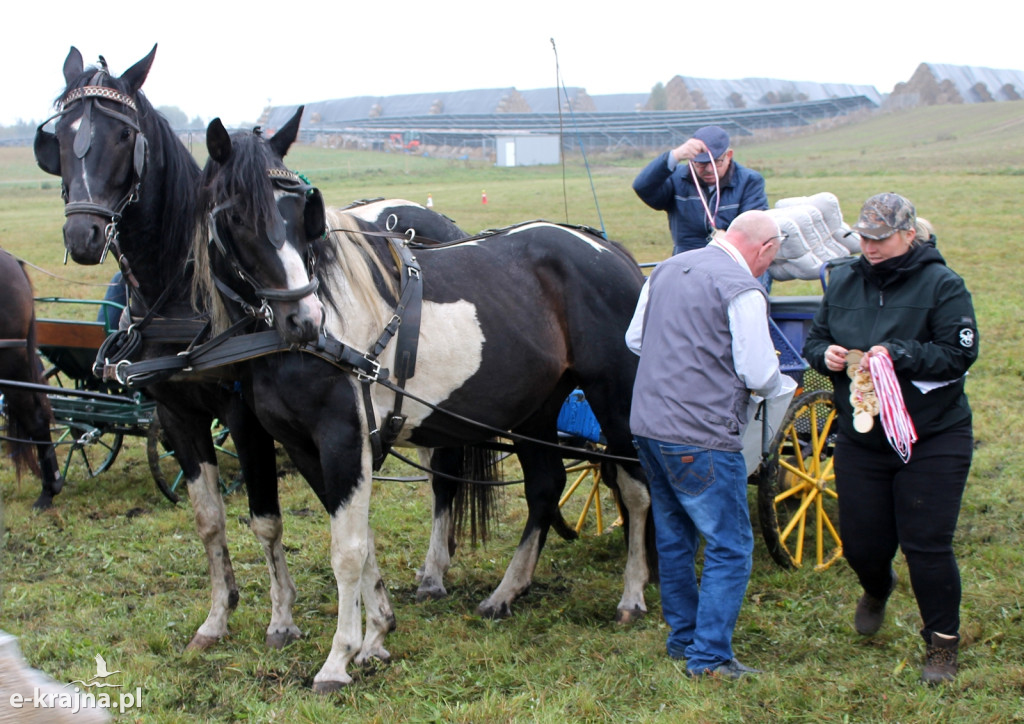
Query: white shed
(527, 150)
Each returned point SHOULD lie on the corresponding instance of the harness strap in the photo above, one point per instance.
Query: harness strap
(13, 343)
(408, 313)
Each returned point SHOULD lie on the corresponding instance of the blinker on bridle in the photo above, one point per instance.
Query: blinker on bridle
(276, 234)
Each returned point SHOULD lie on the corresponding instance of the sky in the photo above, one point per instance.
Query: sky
(229, 59)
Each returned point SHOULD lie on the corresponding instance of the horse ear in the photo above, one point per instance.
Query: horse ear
(136, 75)
(285, 137)
(73, 65)
(218, 141)
(47, 150)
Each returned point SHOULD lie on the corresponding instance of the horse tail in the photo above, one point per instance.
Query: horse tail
(477, 503)
(16, 418)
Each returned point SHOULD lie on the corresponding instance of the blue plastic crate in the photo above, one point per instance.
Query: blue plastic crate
(790, 361)
(577, 419)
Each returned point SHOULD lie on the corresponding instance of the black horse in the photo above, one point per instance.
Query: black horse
(508, 325)
(130, 186)
(27, 411)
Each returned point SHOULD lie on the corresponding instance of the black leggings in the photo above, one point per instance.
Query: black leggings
(885, 504)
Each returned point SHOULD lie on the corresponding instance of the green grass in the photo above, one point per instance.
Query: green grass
(115, 569)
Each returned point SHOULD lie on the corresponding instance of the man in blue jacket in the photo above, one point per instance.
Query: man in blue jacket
(700, 187)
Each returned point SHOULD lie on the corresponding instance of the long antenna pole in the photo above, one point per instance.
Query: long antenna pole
(561, 133)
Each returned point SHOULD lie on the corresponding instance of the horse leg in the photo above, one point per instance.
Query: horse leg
(30, 417)
(544, 479)
(442, 531)
(609, 397)
(350, 545)
(634, 495)
(380, 617)
(193, 449)
(53, 481)
(258, 460)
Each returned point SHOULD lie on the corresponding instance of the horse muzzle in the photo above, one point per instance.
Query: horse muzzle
(85, 237)
(300, 321)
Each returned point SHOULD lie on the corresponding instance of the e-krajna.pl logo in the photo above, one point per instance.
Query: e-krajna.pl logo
(73, 699)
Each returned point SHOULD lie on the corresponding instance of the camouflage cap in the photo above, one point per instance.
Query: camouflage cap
(883, 215)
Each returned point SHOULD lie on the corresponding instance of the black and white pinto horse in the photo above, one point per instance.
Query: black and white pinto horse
(130, 185)
(509, 324)
(27, 411)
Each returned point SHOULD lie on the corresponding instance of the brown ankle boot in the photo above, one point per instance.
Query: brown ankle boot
(940, 659)
(870, 611)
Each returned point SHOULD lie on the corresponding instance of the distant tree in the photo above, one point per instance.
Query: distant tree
(196, 124)
(659, 98)
(174, 115)
(21, 129)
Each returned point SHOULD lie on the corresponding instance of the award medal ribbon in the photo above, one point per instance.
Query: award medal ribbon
(899, 428)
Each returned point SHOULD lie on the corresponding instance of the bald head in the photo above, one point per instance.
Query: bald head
(757, 238)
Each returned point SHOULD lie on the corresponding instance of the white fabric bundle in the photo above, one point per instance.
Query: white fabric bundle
(816, 233)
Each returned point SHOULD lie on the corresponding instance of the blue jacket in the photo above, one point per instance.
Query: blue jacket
(674, 192)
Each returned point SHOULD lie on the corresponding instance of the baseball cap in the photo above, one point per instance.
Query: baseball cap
(883, 215)
(715, 138)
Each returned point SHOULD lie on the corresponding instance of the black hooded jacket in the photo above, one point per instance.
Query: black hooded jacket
(918, 309)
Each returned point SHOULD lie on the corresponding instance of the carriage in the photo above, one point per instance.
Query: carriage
(92, 417)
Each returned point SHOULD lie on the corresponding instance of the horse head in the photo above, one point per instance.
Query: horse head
(98, 149)
(263, 225)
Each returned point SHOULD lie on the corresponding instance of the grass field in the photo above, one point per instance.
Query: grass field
(117, 570)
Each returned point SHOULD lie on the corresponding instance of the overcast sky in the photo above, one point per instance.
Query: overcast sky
(230, 59)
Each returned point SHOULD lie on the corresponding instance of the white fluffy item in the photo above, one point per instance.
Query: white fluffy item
(816, 234)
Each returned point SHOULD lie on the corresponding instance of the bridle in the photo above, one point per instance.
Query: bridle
(90, 96)
(291, 184)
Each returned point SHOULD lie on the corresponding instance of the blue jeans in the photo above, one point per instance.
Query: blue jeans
(699, 492)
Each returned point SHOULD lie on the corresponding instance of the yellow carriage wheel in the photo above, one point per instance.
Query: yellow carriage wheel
(797, 499)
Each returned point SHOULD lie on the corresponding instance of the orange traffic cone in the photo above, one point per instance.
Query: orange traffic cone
(483, 197)
(430, 201)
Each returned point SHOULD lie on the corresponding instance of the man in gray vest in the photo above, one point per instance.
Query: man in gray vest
(701, 329)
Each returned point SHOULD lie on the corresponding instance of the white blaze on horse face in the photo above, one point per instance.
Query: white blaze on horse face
(295, 277)
(75, 125)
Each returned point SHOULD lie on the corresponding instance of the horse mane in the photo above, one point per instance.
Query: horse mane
(367, 277)
(242, 178)
(180, 182)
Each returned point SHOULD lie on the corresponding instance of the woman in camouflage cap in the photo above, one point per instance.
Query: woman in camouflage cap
(900, 488)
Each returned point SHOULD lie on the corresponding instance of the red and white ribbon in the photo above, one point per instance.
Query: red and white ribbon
(896, 422)
(700, 191)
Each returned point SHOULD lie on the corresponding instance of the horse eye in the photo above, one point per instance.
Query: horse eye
(126, 133)
(236, 219)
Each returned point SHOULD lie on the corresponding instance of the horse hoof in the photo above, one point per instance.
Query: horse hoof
(626, 616)
(201, 642)
(329, 687)
(378, 655)
(43, 502)
(430, 591)
(489, 610)
(280, 639)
